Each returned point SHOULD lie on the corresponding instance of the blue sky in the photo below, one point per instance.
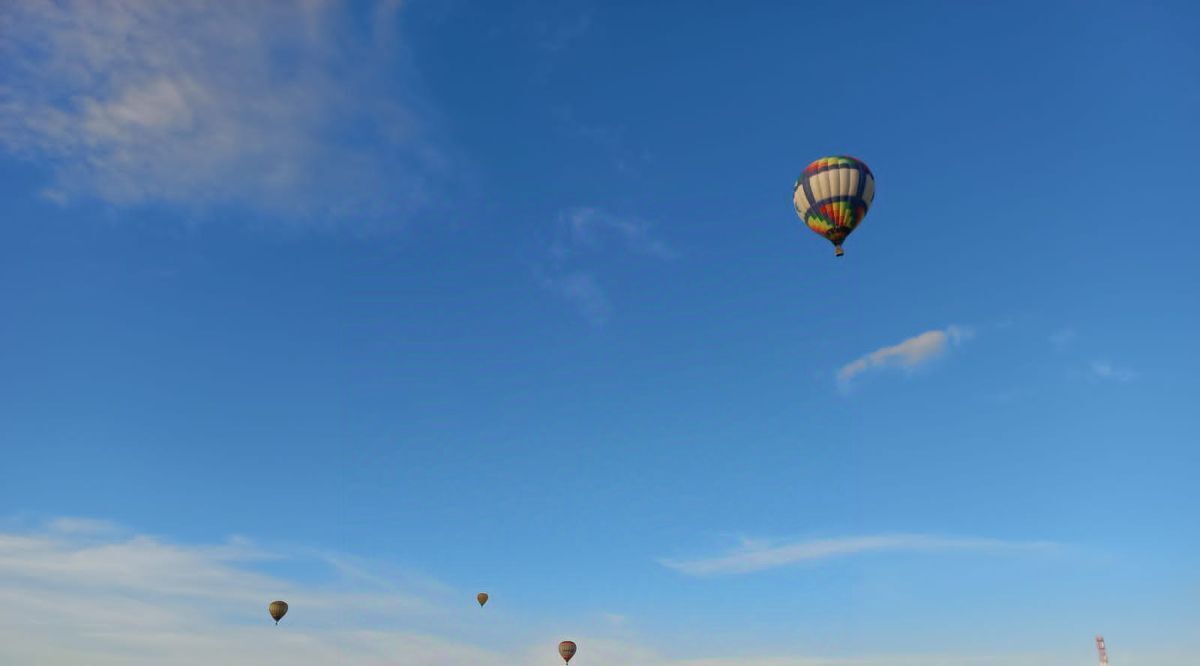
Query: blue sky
(379, 305)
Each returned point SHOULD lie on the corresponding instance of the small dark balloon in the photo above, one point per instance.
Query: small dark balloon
(277, 609)
(482, 598)
(566, 650)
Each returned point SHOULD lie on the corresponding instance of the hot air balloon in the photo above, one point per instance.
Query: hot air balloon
(277, 609)
(832, 197)
(566, 650)
(482, 598)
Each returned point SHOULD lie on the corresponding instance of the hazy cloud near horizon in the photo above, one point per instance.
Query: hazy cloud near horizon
(83, 591)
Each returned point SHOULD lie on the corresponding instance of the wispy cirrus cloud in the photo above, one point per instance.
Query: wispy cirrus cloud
(567, 22)
(1062, 338)
(755, 556)
(908, 354)
(587, 229)
(1108, 371)
(82, 526)
(583, 238)
(609, 139)
(282, 108)
(583, 292)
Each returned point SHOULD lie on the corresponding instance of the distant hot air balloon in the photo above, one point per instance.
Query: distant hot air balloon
(832, 197)
(277, 609)
(566, 650)
(482, 598)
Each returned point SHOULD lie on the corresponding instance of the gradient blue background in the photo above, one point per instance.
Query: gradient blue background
(416, 395)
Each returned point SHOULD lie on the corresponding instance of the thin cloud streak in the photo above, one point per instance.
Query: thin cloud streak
(909, 354)
(756, 556)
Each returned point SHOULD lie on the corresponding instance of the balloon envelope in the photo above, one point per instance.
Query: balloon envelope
(482, 598)
(833, 195)
(277, 609)
(566, 650)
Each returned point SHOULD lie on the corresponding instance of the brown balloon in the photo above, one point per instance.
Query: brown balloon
(277, 609)
(566, 650)
(482, 598)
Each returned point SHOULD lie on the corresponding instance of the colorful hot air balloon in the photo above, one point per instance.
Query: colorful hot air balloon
(832, 197)
(482, 598)
(566, 650)
(277, 609)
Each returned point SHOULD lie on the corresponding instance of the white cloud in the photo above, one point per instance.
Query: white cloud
(137, 600)
(1106, 370)
(203, 103)
(909, 354)
(758, 556)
